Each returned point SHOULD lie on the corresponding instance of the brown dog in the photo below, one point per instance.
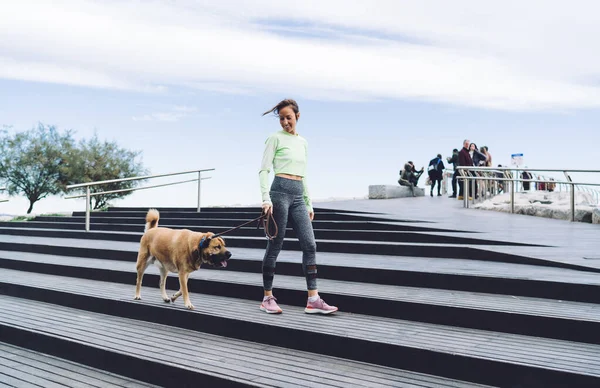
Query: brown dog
(179, 251)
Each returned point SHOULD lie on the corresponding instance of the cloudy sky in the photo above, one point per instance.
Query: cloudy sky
(378, 83)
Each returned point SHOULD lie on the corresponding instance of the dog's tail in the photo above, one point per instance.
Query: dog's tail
(152, 219)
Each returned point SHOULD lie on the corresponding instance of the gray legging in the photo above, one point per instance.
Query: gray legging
(288, 203)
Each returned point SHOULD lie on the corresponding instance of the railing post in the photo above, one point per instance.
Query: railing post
(466, 191)
(87, 208)
(512, 196)
(572, 202)
(199, 188)
(444, 182)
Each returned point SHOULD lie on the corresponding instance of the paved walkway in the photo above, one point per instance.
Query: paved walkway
(569, 242)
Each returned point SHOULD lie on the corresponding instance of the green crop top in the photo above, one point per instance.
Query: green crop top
(287, 154)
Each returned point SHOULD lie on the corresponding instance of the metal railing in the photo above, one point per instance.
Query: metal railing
(88, 194)
(594, 193)
(508, 176)
(3, 200)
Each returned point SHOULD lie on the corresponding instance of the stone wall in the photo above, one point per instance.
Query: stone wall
(391, 191)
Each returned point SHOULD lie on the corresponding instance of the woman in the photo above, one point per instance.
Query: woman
(488, 163)
(289, 199)
(479, 160)
(488, 157)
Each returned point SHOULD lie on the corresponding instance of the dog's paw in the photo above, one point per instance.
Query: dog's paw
(189, 306)
(137, 298)
(166, 299)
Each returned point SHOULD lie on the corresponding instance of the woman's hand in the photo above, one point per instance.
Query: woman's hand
(311, 215)
(267, 208)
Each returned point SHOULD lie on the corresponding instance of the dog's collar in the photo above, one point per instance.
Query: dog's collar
(199, 254)
(200, 248)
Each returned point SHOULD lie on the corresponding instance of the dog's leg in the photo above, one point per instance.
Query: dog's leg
(176, 295)
(183, 278)
(163, 282)
(142, 264)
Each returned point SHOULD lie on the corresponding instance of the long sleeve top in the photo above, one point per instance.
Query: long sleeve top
(286, 154)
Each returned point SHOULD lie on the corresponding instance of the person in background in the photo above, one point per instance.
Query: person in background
(488, 157)
(500, 174)
(526, 175)
(479, 160)
(454, 161)
(436, 171)
(488, 163)
(416, 175)
(464, 159)
(551, 185)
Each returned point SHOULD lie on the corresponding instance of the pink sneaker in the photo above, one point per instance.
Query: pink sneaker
(319, 307)
(269, 306)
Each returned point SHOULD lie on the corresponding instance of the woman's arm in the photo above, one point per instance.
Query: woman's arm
(306, 194)
(265, 168)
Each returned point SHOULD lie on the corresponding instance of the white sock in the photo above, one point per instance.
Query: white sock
(313, 298)
(266, 297)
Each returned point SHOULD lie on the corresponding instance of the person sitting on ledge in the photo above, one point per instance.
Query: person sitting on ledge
(410, 177)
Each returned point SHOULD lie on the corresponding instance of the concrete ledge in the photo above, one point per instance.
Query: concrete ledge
(596, 216)
(391, 191)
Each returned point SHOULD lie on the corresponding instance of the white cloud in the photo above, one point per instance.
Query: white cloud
(504, 55)
(175, 113)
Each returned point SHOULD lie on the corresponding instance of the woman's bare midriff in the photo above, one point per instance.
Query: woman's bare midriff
(287, 176)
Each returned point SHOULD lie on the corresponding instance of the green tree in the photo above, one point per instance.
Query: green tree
(96, 160)
(34, 163)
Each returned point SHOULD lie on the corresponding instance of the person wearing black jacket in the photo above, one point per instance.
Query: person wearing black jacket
(435, 171)
(454, 161)
(479, 159)
(464, 159)
(526, 175)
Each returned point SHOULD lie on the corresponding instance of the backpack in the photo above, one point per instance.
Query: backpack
(434, 166)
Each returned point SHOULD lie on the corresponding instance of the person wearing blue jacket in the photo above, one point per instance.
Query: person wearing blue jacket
(436, 171)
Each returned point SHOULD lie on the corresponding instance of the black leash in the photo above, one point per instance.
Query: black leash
(267, 220)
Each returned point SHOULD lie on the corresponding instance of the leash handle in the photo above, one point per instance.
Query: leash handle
(266, 218)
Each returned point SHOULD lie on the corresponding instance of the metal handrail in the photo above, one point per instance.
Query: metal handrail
(134, 188)
(135, 178)
(88, 194)
(508, 178)
(521, 169)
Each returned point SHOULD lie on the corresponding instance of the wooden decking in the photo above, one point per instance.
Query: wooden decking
(20, 367)
(424, 301)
